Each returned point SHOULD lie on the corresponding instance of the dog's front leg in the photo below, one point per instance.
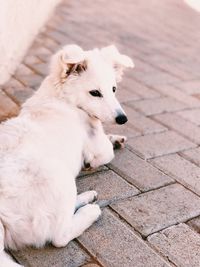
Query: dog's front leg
(98, 150)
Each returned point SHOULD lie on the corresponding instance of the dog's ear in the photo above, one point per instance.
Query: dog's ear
(70, 60)
(73, 60)
(119, 62)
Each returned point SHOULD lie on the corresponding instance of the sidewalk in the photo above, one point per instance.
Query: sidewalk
(150, 193)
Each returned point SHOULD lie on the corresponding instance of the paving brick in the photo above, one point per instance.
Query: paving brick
(156, 106)
(180, 169)
(155, 210)
(109, 186)
(195, 224)
(151, 146)
(157, 78)
(170, 90)
(8, 108)
(125, 95)
(57, 36)
(179, 244)
(41, 68)
(177, 123)
(92, 171)
(140, 89)
(90, 265)
(109, 235)
(191, 115)
(22, 69)
(192, 155)
(189, 87)
(141, 123)
(138, 172)
(31, 60)
(127, 129)
(18, 92)
(32, 81)
(171, 66)
(72, 256)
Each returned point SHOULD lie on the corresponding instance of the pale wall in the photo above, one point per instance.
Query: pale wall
(20, 21)
(194, 4)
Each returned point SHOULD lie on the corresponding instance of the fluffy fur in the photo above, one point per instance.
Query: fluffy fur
(43, 149)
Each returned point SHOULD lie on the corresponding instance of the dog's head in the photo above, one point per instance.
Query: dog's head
(88, 79)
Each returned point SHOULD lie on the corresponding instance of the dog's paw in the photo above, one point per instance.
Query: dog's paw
(118, 141)
(87, 167)
(91, 196)
(88, 196)
(91, 211)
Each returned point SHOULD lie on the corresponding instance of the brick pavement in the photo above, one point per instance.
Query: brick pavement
(150, 192)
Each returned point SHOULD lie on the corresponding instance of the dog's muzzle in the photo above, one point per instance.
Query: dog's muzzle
(121, 119)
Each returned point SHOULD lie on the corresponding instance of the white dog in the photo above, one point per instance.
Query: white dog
(44, 148)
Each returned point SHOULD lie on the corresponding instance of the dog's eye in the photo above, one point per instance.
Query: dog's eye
(114, 89)
(96, 93)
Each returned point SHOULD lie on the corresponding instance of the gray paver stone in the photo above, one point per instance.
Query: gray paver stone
(138, 172)
(180, 244)
(115, 245)
(180, 169)
(195, 224)
(180, 125)
(151, 146)
(156, 106)
(153, 211)
(109, 186)
(70, 256)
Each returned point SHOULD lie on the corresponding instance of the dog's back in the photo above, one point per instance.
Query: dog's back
(37, 153)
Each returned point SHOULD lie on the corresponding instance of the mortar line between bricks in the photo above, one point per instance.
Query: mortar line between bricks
(148, 160)
(190, 226)
(174, 130)
(16, 78)
(88, 252)
(188, 158)
(159, 113)
(127, 224)
(173, 111)
(115, 170)
(124, 177)
(166, 227)
(54, 40)
(137, 233)
(187, 187)
(85, 175)
(145, 192)
(142, 98)
(158, 67)
(94, 258)
(171, 153)
(173, 85)
(33, 69)
(49, 48)
(162, 255)
(11, 97)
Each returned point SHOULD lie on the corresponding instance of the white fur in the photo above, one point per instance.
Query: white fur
(43, 149)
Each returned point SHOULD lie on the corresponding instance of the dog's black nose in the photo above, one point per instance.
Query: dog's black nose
(121, 119)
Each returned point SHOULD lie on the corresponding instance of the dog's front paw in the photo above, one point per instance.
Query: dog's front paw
(89, 167)
(118, 141)
(91, 212)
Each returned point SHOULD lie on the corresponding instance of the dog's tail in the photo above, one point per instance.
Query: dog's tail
(5, 259)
